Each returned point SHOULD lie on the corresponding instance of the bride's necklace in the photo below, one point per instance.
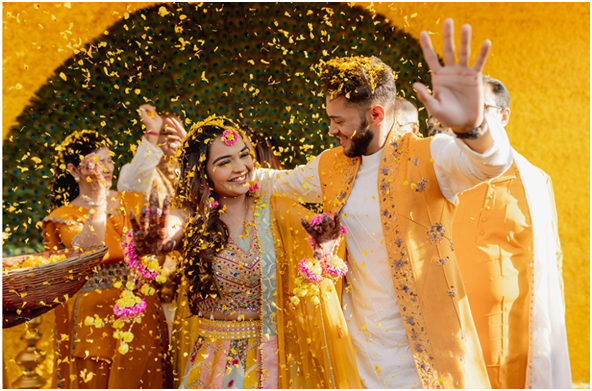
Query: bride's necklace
(247, 224)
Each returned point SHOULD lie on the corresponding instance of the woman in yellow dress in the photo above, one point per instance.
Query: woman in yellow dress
(240, 255)
(86, 213)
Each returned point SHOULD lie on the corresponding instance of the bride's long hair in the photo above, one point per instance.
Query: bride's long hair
(204, 234)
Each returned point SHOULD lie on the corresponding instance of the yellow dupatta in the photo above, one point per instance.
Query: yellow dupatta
(314, 347)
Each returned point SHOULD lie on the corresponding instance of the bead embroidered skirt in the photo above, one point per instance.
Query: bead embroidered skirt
(225, 354)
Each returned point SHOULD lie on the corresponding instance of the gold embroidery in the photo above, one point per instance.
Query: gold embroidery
(62, 221)
(401, 267)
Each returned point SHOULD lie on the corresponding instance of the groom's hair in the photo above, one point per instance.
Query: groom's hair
(363, 81)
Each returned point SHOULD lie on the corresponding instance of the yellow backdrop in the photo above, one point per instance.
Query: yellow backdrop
(540, 51)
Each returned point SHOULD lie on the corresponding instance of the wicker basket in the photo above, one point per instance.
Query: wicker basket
(39, 286)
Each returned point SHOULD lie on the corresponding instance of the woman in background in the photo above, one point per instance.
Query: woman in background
(85, 213)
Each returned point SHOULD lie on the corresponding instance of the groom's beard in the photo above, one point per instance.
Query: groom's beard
(360, 141)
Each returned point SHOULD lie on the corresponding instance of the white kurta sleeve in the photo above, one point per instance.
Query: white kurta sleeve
(137, 175)
(459, 168)
(300, 184)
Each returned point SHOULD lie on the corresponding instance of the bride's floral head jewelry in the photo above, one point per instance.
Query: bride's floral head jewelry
(192, 154)
(196, 135)
(230, 137)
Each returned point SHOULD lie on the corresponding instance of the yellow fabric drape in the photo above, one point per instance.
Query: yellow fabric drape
(185, 330)
(80, 347)
(314, 343)
(494, 245)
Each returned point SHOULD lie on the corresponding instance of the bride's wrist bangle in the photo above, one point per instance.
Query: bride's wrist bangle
(89, 201)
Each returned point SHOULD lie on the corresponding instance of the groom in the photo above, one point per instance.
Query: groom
(404, 301)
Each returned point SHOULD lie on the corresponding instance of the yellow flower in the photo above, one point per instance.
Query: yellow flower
(118, 324)
(161, 278)
(99, 322)
(316, 269)
(147, 290)
(300, 292)
(128, 336)
(123, 348)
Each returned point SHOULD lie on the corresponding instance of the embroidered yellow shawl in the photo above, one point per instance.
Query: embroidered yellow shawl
(417, 223)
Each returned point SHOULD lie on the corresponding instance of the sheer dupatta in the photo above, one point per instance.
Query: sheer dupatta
(307, 346)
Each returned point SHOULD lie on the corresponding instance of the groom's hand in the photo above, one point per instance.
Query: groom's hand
(457, 100)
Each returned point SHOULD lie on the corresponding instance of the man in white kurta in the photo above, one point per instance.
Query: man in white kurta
(509, 253)
(382, 349)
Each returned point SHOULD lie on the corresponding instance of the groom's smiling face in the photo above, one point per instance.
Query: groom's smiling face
(349, 125)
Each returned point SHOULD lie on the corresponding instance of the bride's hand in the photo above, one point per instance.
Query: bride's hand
(325, 235)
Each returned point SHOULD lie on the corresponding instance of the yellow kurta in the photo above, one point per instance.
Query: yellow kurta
(88, 357)
(493, 237)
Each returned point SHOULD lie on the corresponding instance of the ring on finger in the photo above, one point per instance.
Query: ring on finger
(91, 165)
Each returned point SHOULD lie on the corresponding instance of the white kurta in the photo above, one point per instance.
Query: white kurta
(370, 306)
(381, 346)
(137, 175)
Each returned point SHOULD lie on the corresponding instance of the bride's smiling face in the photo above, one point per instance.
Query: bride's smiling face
(230, 168)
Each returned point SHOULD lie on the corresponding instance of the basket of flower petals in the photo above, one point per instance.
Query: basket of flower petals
(30, 282)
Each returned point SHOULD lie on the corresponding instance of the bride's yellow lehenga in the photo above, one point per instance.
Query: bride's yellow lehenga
(306, 346)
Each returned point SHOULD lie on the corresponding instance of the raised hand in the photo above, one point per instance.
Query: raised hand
(91, 170)
(325, 235)
(175, 134)
(150, 234)
(457, 100)
(150, 118)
